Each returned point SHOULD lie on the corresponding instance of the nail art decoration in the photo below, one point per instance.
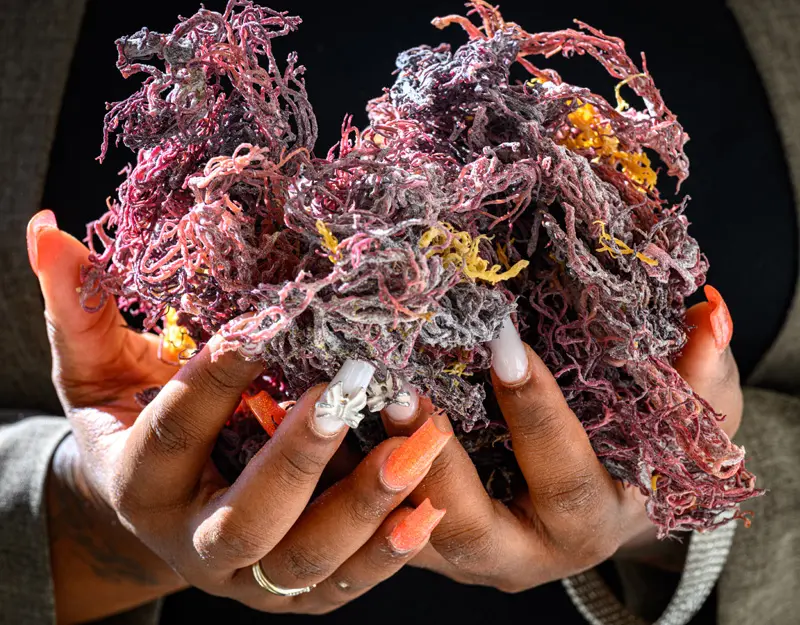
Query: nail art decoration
(336, 405)
(389, 391)
(345, 397)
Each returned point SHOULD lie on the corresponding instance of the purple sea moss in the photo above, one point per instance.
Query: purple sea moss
(467, 198)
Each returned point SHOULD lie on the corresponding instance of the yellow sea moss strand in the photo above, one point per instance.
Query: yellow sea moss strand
(176, 344)
(622, 247)
(465, 251)
(621, 103)
(457, 369)
(595, 133)
(329, 242)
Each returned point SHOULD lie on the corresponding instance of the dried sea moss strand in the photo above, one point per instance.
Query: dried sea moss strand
(466, 199)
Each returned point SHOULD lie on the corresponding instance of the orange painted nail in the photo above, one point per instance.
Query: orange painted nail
(720, 317)
(412, 459)
(43, 220)
(266, 410)
(413, 531)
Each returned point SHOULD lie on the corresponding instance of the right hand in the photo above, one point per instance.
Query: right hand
(153, 468)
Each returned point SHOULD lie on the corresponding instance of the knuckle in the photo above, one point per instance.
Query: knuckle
(226, 540)
(469, 544)
(218, 381)
(575, 494)
(544, 423)
(441, 473)
(298, 468)
(306, 565)
(365, 508)
(172, 434)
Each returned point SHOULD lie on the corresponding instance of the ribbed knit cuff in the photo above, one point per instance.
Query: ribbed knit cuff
(704, 562)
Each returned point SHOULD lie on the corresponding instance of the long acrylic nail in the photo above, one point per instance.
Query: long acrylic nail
(720, 317)
(509, 358)
(404, 408)
(341, 403)
(43, 220)
(266, 410)
(414, 530)
(411, 460)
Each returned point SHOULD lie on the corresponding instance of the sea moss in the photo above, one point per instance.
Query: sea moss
(467, 198)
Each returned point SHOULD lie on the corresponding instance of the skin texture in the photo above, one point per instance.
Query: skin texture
(137, 510)
(573, 515)
(136, 507)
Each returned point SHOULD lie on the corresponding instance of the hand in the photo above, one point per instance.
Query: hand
(151, 469)
(574, 515)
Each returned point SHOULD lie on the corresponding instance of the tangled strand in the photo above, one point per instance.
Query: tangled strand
(466, 199)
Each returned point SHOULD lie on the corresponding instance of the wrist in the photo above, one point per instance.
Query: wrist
(98, 567)
(69, 489)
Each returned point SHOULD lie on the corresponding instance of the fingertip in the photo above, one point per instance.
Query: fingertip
(509, 355)
(59, 255)
(719, 317)
(59, 258)
(404, 408)
(415, 529)
(420, 410)
(40, 222)
(538, 377)
(709, 335)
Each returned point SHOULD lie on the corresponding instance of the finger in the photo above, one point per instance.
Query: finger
(57, 257)
(404, 416)
(399, 539)
(706, 361)
(172, 439)
(570, 490)
(336, 525)
(478, 534)
(248, 519)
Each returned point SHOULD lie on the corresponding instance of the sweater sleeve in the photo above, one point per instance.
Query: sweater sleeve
(705, 560)
(26, 587)
(759, 563)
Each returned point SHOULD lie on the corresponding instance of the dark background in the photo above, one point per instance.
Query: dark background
(741, 210)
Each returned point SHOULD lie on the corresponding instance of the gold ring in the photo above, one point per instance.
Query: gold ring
(267, 585)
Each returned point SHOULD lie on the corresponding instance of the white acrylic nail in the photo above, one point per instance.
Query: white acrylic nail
(509, 358)
(405, 405)
(341, 403)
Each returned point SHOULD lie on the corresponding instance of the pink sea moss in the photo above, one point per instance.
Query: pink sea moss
(467, 198)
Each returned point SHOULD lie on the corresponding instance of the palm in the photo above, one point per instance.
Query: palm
(99, 363)
(113, 364)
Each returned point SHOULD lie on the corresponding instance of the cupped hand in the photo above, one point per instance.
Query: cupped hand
(152, 467)
(573, 515)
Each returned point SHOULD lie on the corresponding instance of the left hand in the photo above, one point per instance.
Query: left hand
(133, 493)
(574, 515)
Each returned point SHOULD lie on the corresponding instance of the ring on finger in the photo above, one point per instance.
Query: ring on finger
(263, 581)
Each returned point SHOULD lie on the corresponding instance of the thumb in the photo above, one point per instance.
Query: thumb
(706, 361)
(56, 258)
